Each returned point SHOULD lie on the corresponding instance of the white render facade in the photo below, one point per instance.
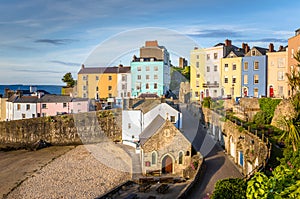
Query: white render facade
(124, 85)
(18, 111)
(212, 85)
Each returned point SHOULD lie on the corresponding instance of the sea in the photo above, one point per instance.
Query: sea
(52, 89)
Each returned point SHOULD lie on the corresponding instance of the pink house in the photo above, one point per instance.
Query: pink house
(51, 105)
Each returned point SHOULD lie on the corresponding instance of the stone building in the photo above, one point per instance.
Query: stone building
(164, 148)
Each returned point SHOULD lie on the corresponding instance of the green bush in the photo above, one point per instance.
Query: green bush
(230, 188)
(207, 102)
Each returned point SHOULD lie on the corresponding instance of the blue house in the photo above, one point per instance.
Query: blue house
(254, 73)
(150, 73)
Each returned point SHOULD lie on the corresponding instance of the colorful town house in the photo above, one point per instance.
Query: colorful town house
(150, 73)
(254, 72)
(103, 82)
(293, 47)
(231, 70)
(21, 107)
(206, 70)
(277, 67)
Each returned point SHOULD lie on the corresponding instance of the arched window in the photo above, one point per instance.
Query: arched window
(180, 158)
(154, 157)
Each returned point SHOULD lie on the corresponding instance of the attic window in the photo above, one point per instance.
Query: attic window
(253, 52)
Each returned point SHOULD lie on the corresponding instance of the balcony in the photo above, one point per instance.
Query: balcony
(210, 85)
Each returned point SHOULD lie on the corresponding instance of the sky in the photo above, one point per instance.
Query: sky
(41, 40)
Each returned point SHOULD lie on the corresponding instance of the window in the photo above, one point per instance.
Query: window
(84, 95)
(215, 83)
(253, 52)
(33, 115)
(233, 79)
(64, 105)
(138, 86)
(172, 118)
(256, 79)
(180, 157)
(97, 78)
(155, 68)
(245, 66)
(109, 95)
(207, 69)
(124, 86)
(197, 83)
(27, 107)
(245, 79)
(292, 54)
(256, 65)
(129, 125)
(198, 75)
(226, 67)
(215, 68)
(280, 75)
(197, 56)
(280, 90)
(109, 88)
(147, 68)
(215, 55)
(153, 157)
(281, 62)
(109, 77)
(84, 88)
(155, 77)
(155, 86)
(18, 106)
(147, 76)
(226, 80)
(208, 57)
(84, 77)
(197, 64)
(147, 85)
(255, 92)
(23, 116)
(124, 78)
(233, 66)
(139, 77)
(44, 106)
(139, 68)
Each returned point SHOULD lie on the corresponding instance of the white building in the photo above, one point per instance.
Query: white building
(136, 120)
(21, 107)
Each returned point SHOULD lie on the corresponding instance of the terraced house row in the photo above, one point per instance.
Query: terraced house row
(225, 70)
(149, 73)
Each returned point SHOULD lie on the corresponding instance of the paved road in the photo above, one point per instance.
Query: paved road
(218, 164)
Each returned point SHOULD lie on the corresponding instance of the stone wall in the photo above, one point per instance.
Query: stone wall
(284, 110)
(74, 129)
(247, 150)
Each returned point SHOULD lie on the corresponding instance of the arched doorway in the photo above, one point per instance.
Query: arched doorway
(167, 165)
(245, 91)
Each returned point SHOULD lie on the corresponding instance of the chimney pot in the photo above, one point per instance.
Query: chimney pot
(271, 47)
(227, 42)
(280, 48)
(82, 66)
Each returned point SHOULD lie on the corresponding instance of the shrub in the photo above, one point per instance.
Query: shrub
(230, 188)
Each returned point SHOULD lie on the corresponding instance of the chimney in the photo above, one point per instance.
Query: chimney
(227, 42)
(247, 48)
(195, 48)
(151, 43)
(280, 48)
(271, 47)
(82, 66)
(243, 45)
(120, 65)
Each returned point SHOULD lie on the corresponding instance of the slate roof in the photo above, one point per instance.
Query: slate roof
(148, 95)
(263, 51)
(239, 52)
(100, 70)
(147, 105)
(23, 99)
(151, 129)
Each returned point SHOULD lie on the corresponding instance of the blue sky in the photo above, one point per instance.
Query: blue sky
(42, 40)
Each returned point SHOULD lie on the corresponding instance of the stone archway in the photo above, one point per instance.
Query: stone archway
(167, 165)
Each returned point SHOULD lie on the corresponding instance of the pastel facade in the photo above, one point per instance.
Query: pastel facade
(254, 73)
(18, 107)
(3, 109)
(231, 70)
(101, 82)
(277, 68)
(197, 73)
(150, 73)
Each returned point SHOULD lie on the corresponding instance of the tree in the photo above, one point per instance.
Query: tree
(68, 79)
(292, 131)
(230, 188)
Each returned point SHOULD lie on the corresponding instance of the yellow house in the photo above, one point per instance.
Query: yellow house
(277, 84)
(231, 73)
(3, 109)
(99, 82)
(197, 73)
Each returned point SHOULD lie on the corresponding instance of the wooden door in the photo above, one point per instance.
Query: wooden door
(167, 165)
